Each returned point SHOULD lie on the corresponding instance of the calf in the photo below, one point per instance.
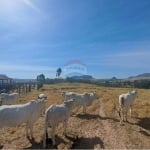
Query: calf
(54, 115)
(125, 103)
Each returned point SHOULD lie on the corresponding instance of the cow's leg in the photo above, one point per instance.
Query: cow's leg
(65, 126)
(53, 135)
(84, 109)
(130, 111)
(126, 113)
(44, 136)
(120, 114)
(27, 129)
(31, 130)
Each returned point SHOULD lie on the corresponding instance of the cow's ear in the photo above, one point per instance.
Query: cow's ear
(94, 92)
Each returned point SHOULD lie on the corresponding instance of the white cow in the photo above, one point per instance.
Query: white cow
(84, 99)
(14, 115)
(68, 95)
(125, 103)
(87, 102)
(54, 115)
(8, 99)
(42, 96)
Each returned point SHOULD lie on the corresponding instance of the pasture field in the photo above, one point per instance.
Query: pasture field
(99, 128)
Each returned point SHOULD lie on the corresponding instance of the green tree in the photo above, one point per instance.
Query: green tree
(58, 72)
(41, 78)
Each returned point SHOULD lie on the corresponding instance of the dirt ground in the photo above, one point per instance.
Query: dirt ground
(99, 128)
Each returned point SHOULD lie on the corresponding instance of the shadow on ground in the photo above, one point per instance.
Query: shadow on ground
(145, 133)
(85, 143)
(34, 144)
(39, 145)
(144, 123)
(1, 146)
(93, 116)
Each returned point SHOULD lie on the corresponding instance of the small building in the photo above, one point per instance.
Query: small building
(5, 82)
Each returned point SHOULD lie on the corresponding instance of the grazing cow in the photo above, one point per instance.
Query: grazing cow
(125, 103)
(8, 99)
(84, 99)
(54, 115)
(14, 115)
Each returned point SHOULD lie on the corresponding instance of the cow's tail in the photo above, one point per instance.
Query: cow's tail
(122, 101)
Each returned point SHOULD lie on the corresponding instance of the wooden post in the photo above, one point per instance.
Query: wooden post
(29, 87)
(19, 90)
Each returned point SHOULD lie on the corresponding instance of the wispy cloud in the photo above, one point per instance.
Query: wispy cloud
(126, 60)
(115, 37)
(30, 4)
(139, 54)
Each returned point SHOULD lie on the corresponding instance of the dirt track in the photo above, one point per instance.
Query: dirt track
(98, 131)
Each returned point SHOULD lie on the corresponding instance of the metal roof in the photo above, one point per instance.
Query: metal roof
(4, 77)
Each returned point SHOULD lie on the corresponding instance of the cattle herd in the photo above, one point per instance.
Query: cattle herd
(13, 114)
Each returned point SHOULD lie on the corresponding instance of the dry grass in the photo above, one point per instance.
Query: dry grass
(90, 130)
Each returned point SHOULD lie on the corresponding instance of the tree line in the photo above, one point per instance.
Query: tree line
(114, 82)
(144, 84)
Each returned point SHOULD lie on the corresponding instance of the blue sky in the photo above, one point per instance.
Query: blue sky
(112, 37)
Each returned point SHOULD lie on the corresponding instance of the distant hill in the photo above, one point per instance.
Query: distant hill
(140, 77)
(83, 77)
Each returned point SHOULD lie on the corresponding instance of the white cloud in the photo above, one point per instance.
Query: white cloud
(30, 4)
